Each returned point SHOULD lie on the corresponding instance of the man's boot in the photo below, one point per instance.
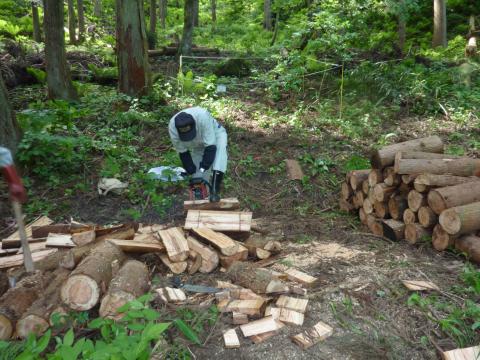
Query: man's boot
(217, 179)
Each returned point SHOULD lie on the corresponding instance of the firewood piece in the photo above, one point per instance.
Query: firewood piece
(365, 187)
(420, 285)
(225, 221)
(175, 244)
(254, 307)
(452, 196)
(36, 319)
(223, 204)
(470, 246)
(119, 232)
(408, 179)
(381, 209)
(387, 172)
(86, 283)
(84, 237)
(397, 206)
(441, 240)
(346, 191)
(60, 241)
(17, 260)
(241, 255)
(136, 247)
(225, 244)
(297, 290)
(416, 200)
(256, 279)
(239, 318)
(386, 156)
(261, 326)
(131, 281)
(382, 192)
(346, 206)
(291, 303)
(471, 353)
(362, 216)
(357, 177)
(415, 232)
(375, 176)
(17, 300)
(425, 182)
(368, 206)
(410, 216)
(257, 339)
(459, 167)
(172, 295)
(243, 294)
(194, 262)
(375, 225)
(13, 241)
(306, 339)
(230, 339)
(461, 219)
(273, 246)
(175, 267)
(301, 277)
(227, 285)
(393, 229)
(288, 316)
(209, 257)
(427, 217)
(152, 229)
(294, 170)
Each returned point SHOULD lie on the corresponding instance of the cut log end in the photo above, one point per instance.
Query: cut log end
(451, 221)
(111, 302)
(6, 328)
(441, 240)
(436, 202)
(31, 324)
(80, 292)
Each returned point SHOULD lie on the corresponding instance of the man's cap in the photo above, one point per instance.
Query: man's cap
(185, 124)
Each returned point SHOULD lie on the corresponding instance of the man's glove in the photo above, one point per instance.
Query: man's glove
(208, 156)
(15, 185)
(187, 162)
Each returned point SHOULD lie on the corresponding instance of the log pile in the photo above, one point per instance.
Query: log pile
(415, 192)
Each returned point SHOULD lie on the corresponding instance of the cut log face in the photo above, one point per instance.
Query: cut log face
(261, 326)
(84, 237)
(357, 177)
(346, 191)
(459, 167)
(375, 177)
(381, 209)
(470, 246)
(416, 232)
(386, 156)
(375, 225)
(410, 216)
(175, 267)
(452, 196)
(81, 292)
(365, 187)
(368, 206)
(294, 170)
(408, 179)
(209, 257)
(393, 229)
(427, 217)
(31, 324)
(228, 221)
(416, 200)
(393, 180)
(397, 206)
(362, 215)
(461, 219)
(382, 192)
(358, 199)
(223, 204)
(441, 240)
(312, 336)
(346, 206)
(225, 244)
(175, 244)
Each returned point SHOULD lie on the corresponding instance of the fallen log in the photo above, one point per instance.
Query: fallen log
(256, 279)
(459, 167)
(131, 282)
(84, 286)
(441, 240)
(209, 256)
(427, 217)
(452, 196)
(223, 204)
(386, 156)
(416, 200)
(461, 219)
(425, 182)
(415, 232)
(470, 246)
(397, 206)
(393, 229)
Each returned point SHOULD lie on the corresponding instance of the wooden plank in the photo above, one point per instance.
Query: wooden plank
(175, 244)
(231, 339)
(175, 267)
(300, 277)
(471, 353)
(291, 303)
(209, 256)
(420, 285)
(13, 241)
(225, 244)
(287, 316)
(239, 318)
(248, 307)
(320, 331)
(223, 204)
(17, 260)
(257, 339)
(84, 237)
(261, 326)
(137, 247)
(219, 220)
(294, 170)
(37, 246)
(44, 230)
(60, 240)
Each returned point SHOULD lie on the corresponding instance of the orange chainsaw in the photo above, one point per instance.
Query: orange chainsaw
(199, 189)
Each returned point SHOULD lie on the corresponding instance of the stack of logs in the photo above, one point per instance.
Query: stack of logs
(416, 192)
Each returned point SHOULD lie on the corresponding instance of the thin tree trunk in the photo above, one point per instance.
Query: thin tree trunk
(267, 14)
(196, 13)
(37, 36)
(277, 24)
(163, 13)
(58, 75)
(187, 37)
(213, 4)
(81, 21)
(9, 130)
(71, 22)
(153, 16)
(402, 26)
(133, 67)
(97, 8)
(439, 23)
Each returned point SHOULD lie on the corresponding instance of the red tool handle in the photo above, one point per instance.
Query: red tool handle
(15, 185)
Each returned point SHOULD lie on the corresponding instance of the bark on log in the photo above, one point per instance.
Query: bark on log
(131, 282)
(410, 216)
(459, 167)
(357, 177)
(386, 156)
(247, 276)
(420, 155)
(416, 200)
(452, 196)
(397, 206)
(381, 209)
(89, 280)
(383, 192)
(375, 177)
(470, 246)
(415, 232)
(427, 217)
(425, 182)
(461, 219)
(393, 229)
(441, 240)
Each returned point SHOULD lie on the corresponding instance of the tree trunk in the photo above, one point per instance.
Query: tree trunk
(196, 13)
(451, 196)
(133, 67)
(163, 13)
(267, 14)
(81, 21)
(37, 35)
(97, 8)
(188, 21)
(277, 25)
(9, 130)
(72, 22)
(402, 32)
(153, 16)
(439, 23)
(213, 8)
(58, 75)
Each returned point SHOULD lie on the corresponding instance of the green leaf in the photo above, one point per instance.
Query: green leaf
(96, 323)
(145, 298)
(153, 331)
(43, 342)
(136, 314)
(136, 327)
(187, 331)
(150, 314)
(68, 338)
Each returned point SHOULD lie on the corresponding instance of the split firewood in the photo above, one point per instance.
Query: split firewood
(375, 225)
(171, 295)
(84, 237)
(257, 339)
(261, 326)
(118, 232)
(381, 209)
(425, 182)
(241, 255)
(209, 256)
(194, 262)
(346, 191)
(410, 216)
(226, 285)
(382, 192)
(175, 244)
(43, 231)
(459, 167)
(239, 318)
(386, 156)
(131, 281)
(375, 176)
(254, 307)
(87, 282)
(225, 244)
(60, 241)
(393, 229)
(223, 204)
(136, 247)
(452, 196)
(357, 177)
(416, 200)
(427, 217)
(419, 285)
(461, 220)
(150, 229)
(319, 332)
(37, 318)
(441, 240)
(470, 246)
(288, 316)
(397, 206)
(471, 353)
(225, 221)
(291, 303)
(231, 339)
(294, 170)
(415, 232)
(256, 279)
(175, 267)
(301, 277)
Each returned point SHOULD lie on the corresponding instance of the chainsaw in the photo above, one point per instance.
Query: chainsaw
(199, 189)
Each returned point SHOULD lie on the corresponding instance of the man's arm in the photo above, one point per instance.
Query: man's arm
(15, 185)
(208, 124)
(183, 153)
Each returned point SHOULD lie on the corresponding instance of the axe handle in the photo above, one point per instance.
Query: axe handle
(27, 255)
